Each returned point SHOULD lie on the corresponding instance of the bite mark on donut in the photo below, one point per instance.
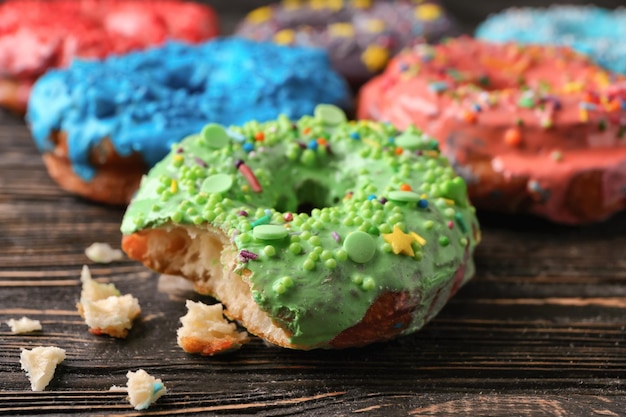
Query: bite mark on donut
(206, 257)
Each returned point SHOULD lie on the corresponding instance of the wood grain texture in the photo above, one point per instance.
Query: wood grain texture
(540, 330)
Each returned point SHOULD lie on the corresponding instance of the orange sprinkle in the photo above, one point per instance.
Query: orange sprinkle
(405, 187)
(469, 116)
(259, 136)
(321, 141)
(513, 137)
(613, 105)
(590, 98)
(399, 151)
(306, 130)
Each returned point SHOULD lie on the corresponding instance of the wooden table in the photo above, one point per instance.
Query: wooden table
(540, 331)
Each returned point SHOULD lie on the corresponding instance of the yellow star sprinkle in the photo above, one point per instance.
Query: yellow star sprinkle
(400, 242)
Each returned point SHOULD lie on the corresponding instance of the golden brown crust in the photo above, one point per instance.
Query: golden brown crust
(116, 179)
(512, 195)
(583, 197)
(136, 247)
(389, 315)
(209, 347)
(13, 95)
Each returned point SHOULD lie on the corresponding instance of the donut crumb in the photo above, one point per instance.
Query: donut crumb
(23, 325)
(205, 330)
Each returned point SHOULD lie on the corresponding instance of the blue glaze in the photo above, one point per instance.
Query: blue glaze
(146, 101)
(593, 31)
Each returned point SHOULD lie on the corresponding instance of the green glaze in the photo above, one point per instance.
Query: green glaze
(321, 179)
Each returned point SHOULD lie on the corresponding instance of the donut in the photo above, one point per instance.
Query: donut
(36, 35)
(314, 233)
(359, 35)
(532, 129)
(594, 31)
(101, 124)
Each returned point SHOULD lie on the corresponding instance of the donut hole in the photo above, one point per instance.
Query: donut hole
(307, 195)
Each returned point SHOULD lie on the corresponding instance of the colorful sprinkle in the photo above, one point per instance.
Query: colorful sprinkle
(375, 57)
(403, 196)
(409, 141)
(438, 86)
(261, 220)
(419, 239)
(329, 114)
(360, 247)
(218, 183)
(269, 232)
(215, 136)
(249, 176)
(513, 137)
(455, 190)
(247, 255)
(460, 221)
(400, 242)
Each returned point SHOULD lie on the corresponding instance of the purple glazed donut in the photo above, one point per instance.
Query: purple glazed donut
(359, 35)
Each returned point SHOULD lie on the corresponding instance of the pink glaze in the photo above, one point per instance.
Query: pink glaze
(36, 35)
(465, 93)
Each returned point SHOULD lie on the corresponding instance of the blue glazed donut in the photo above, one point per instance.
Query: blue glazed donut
(596, 32)
(100, 119)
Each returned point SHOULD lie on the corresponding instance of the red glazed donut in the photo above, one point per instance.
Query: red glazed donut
(36, 35)
(359, 35)
(533, 129)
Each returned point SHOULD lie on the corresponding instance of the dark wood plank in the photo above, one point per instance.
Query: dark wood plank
(539, 330)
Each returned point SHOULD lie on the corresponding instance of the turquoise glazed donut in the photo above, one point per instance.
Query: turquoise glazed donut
(318, 233)
(594, 31)
(137, 105)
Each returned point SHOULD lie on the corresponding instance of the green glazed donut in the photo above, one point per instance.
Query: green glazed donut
(318, 233)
